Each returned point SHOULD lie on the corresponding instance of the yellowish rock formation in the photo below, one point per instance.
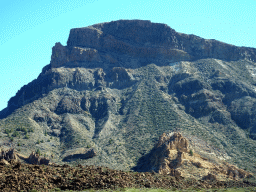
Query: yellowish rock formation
(172, 155)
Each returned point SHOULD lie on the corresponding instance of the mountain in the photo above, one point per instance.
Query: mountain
(117, 86)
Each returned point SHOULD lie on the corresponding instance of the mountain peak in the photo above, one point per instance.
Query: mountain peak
(146, 41)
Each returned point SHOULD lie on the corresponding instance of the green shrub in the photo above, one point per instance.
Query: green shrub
(7, 131)
(26, 136)
(15, 133)
(31, 130)
(38, 151)
(22, 129)
(191, 152)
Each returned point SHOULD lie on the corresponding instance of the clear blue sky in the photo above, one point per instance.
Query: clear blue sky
(29, 29)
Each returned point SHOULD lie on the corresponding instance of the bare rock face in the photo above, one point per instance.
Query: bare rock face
(142, 40)
(173, 141)
(68, 105)
(12, 155)
(35, 159)
(9, 154)
(81, 153)
(173, 156)
(168, 153)
(62, 55)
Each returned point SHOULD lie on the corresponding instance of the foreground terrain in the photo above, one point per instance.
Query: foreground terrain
(172, 164)
(16, 176)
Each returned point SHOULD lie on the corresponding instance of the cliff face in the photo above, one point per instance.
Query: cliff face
(123, 43)
(117, 86)
(145, 39)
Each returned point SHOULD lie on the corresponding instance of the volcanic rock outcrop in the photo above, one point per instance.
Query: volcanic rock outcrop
(173, 156)
(34, 158)
(9, 154)
(81, 153)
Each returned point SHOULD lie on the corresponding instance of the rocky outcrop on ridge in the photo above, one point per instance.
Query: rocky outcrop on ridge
(80, 153)
(34, 158)
(9, 154)
(173, 156)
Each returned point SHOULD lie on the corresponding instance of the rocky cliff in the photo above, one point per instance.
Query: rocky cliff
(173, 156)
(123, 43)
(117, 86)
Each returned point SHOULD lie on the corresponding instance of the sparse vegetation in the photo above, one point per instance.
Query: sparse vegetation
(110, 141)
(26, 136)
(38, 152)
(8, 131)
(16, 134)
(23, 129)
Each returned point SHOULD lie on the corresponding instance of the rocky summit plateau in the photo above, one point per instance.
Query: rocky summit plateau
(108, 95)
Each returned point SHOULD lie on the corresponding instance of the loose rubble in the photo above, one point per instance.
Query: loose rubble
(16, 176)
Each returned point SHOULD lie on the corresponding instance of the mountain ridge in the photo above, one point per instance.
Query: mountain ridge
(117, 86)
(182, 47)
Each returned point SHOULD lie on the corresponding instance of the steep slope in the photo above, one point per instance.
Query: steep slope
(116, 87)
